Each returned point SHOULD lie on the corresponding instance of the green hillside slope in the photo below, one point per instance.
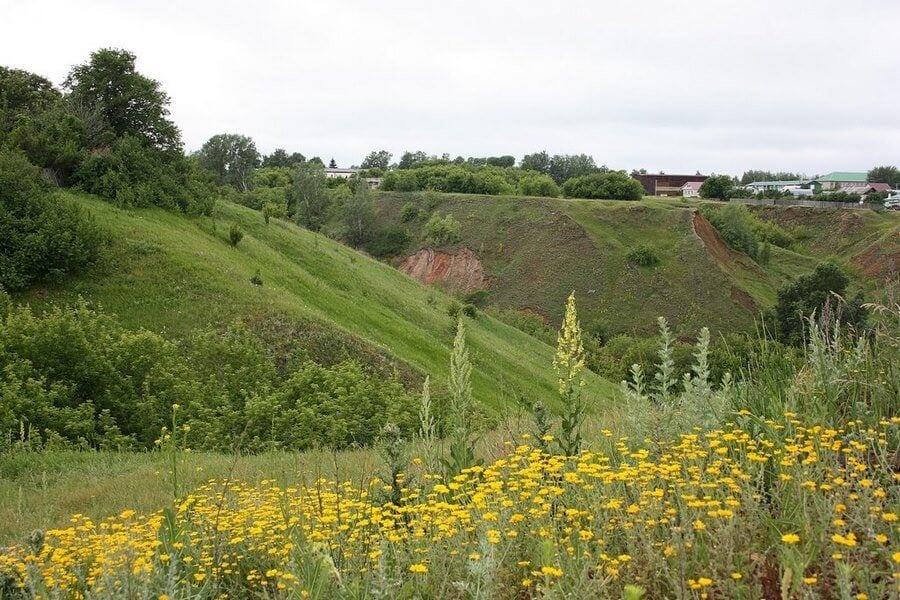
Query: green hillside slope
(172, 274)
(534, 251)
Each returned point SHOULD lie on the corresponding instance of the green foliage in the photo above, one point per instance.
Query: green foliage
(388, 242)
(461, 424)
(610, 185)
(563, 167)
(441, 231)
(536, 184)
(235, 235)
(454, 309)
(758, 175)
(281, 159)
(130, 103)
(256, 279)
(308, 200)
(885, 174)
(643, 255)
(538, 161)
(377, 159)
(55, 139)
(718, 187)
(470, 310)
(736, 226)
(77, 376)
(23, 95)
(359, 217)
(409, 212)
(821, 293)
(232, 158)
(42, 236)
(132, 173)
(333, 407)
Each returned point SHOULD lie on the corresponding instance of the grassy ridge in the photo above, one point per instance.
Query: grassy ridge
(536, 250)
(172, 274)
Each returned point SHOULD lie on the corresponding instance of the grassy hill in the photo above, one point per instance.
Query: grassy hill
(534, 251)
(171, 274)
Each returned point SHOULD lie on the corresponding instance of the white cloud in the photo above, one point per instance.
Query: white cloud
(714, 85)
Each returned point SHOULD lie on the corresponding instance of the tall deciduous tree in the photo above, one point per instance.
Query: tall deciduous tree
(128, 102)
(718, 187)
(538, 161)
(280, 158)
(377, 159)
(23, 94)
(232, 157)
(885, 174)
(567, 166)
(359, 215)
(308, 195)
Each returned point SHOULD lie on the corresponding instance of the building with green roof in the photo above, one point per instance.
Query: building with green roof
(840, 179)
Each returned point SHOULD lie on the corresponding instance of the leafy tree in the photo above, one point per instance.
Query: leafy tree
(232, 157)
(718, 187)
(133, 173)
(308, 196)
(885, 174)
(130, 103)
(566, 166)
(359, 216)
(23, 94)
(757, 175)
(332, 164)
(41, 237)
(491, 180)
(613, 185)
(811, 294)
(504, 161)
(280, 158)
(377, 159)
(56, 140)
(411, 159)
(538, 161)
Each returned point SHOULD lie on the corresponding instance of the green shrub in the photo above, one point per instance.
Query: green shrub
(333, 407)
(132, 173)
(390, 241)
(235, 235)
(408, 212)
(42, 237)
(643, 255)
(736, 225)
(718, 187)
(454, 309)
(470, 310)
(610, 185)
(442, 230)
(478, 298)
(532, 183)
(256, 279)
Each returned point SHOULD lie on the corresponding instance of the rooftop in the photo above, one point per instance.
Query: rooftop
(844, 176)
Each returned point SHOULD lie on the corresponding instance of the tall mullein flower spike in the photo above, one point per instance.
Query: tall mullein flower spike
(569, 361)
(569, 365)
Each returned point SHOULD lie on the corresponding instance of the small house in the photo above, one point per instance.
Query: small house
(691, 189)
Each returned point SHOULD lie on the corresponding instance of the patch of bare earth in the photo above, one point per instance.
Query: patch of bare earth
(459, 270)
(724, 257)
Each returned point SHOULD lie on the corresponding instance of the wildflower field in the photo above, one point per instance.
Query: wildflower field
(759, 508)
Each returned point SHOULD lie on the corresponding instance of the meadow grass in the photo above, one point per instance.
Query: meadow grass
(172, 274)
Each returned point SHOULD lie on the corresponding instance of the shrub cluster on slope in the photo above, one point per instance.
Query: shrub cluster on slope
(42, 236)
(76, 377)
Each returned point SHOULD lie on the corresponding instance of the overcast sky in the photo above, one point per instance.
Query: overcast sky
(678, 86)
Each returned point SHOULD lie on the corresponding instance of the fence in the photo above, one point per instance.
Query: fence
(809, 203)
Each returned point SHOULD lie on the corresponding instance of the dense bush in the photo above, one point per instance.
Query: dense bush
(717, 187)
(532, 183)
(737, 226)
(388, 242)
(452, 178)
(41, 236)
(442, 230)
(76, 376)
(132, 173)
(609, 185)
(643, 255)
(822, 293)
